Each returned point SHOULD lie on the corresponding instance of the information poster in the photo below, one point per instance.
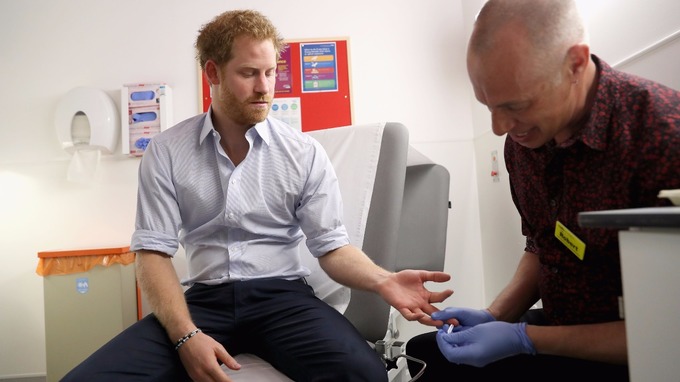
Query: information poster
(284, 79)
(287, 110)
(319, 67)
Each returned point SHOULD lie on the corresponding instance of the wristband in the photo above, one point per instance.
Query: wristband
(184, 339)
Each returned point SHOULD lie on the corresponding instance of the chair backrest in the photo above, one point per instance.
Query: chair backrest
(424, 218)
(370, 162)
(368, 312)
(405, 226)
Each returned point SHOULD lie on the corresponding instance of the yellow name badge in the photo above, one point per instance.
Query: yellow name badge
(570, 240)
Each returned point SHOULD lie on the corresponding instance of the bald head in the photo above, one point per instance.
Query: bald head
(529, 63)
(545, 28)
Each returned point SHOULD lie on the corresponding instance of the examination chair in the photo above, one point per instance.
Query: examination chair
(396, 210)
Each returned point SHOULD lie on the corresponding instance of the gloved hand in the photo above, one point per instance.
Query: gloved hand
(466, 317)
(485, 343)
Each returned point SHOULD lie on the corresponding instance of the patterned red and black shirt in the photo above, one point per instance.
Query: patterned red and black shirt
(626, 152)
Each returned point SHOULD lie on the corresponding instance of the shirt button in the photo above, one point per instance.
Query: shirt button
(554, 270)
(231, 215)
(233, 181)
(553, 203)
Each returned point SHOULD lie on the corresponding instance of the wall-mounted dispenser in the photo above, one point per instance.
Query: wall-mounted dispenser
(86, 121)
(146, 110)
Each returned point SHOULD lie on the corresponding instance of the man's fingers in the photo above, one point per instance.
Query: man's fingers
(435, 276)
(412, 315)
(227, 359)
(440, 296)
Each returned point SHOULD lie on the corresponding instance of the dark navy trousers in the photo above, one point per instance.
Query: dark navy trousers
(278, 320)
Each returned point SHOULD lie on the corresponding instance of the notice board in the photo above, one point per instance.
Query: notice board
(312, 85)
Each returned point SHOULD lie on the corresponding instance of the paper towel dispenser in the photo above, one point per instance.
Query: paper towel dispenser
(101, 114)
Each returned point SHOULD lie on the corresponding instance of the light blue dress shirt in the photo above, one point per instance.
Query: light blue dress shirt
(237, 223)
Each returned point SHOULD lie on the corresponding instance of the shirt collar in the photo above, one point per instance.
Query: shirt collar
(207, 126)
(594, 133)
(261, 128)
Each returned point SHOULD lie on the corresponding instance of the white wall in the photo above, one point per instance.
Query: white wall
(406, 67)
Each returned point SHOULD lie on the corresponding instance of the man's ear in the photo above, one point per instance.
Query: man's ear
(211, 71)
(578, 57)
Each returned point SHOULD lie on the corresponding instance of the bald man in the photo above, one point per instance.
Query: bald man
(580, 136)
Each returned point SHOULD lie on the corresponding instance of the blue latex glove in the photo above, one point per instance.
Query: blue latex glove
(466, 317)
(485, 343)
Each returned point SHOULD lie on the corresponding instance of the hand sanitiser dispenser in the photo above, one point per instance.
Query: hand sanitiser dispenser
(87, 123)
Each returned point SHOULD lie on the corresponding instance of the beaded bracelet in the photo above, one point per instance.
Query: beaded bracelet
(184, 339)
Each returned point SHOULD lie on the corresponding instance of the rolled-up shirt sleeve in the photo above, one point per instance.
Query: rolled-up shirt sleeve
(320, 210)
(158, 221)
